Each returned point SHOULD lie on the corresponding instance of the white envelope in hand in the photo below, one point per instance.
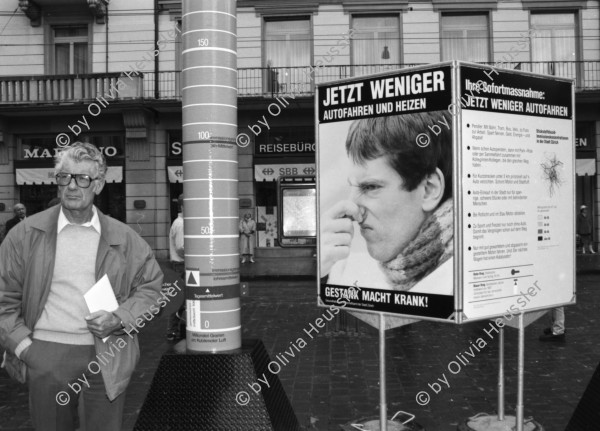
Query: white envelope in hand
(101, 297)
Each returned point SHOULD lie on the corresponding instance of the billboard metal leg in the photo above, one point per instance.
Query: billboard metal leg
(521, 373)
(382, 396)
(501, 376)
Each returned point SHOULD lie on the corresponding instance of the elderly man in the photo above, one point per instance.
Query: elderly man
(20, 214)
(48, 263)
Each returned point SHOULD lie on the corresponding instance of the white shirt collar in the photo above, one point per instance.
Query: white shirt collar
(94, 222)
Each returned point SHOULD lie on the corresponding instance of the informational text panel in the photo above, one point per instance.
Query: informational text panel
(518, 192)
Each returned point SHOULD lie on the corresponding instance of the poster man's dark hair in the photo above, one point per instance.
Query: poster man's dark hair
(395, 137)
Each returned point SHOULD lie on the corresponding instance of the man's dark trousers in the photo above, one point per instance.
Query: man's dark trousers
(57, 374)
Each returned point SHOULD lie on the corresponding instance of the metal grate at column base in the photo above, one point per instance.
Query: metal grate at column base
(198, 392)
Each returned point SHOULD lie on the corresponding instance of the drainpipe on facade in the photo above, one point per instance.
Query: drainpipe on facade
(106, 41)
(156, 65)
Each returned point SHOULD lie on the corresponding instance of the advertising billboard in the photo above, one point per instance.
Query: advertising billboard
(445, 192)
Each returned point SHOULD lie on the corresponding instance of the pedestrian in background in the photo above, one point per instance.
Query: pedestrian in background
(177, 256)
(556, 331)
(53, 342)
(247, 230)
(20, 215)
(584, 229)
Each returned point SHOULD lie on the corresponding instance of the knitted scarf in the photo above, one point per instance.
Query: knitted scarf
(432, 246)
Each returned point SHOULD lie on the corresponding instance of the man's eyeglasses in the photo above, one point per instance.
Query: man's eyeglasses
(81, 180)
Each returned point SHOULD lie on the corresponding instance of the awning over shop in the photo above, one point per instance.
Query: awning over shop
(273, 172)
(175, 174)
(27, 176)
(585, 167)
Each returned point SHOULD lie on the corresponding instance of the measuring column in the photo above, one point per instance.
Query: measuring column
(210, 175)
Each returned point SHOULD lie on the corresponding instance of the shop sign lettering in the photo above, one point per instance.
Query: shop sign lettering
(175, 148)
(287, 147)
(274, 171)
(46, 153)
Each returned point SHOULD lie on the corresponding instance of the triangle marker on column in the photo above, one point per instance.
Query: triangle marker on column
(193, 277)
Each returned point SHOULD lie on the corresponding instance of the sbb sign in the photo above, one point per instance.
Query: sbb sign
(273, 172)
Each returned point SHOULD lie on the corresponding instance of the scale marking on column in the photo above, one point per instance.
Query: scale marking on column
(192, 277)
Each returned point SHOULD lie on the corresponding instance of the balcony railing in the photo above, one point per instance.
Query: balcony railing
(69, 88)
(260, 82)
(269, 82)
(252, 82)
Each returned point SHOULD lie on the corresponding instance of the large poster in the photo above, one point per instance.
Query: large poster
(446, 192)
(385, 193)
(518, 192)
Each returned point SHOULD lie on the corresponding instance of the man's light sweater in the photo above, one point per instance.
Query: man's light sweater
(62, 320)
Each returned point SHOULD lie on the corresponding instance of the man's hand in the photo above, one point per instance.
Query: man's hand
(337, 232)
(24, 354)
(103, 323)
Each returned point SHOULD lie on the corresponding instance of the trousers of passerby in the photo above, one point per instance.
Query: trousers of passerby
(174, 321)
(586, 242)
(60, 376)
(558, 320)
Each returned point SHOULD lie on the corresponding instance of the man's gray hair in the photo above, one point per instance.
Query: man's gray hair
(80, 151)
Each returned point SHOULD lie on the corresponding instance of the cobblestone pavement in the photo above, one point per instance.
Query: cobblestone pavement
(334, 378)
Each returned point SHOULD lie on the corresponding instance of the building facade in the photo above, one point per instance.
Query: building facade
(109, 73)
